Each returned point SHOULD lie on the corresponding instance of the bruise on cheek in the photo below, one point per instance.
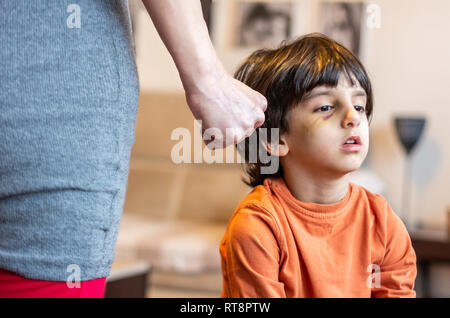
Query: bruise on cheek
(314, 125)
(307, 130)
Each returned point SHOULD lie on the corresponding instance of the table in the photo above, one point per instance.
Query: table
(128, 279)
(431, 246)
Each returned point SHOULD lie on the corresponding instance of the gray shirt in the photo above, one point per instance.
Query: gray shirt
(68, 101)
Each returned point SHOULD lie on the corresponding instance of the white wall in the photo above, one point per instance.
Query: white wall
(157, 72)
(409, 63)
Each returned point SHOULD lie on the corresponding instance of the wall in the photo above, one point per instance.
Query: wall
(408, 61)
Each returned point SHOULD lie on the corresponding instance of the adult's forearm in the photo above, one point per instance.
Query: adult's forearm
(213, 95)
(183, 30)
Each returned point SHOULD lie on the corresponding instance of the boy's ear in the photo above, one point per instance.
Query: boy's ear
(279, 149)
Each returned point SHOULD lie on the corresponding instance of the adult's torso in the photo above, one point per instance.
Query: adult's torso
(68, 102)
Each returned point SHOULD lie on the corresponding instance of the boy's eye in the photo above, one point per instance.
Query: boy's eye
(323, 108)
(326, 107)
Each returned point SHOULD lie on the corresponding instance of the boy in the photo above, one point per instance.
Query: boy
(306, 231)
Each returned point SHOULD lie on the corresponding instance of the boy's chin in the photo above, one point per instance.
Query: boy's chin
(353, 168)
(348, 168)
(340, 172)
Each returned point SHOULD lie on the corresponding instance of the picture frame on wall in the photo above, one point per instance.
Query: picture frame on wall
(262, 23)
(245, 25)
(342, 21)
(240, 27)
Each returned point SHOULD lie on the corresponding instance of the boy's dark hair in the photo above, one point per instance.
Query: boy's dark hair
(284, 75)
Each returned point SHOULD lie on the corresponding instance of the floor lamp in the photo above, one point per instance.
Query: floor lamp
(409, 130)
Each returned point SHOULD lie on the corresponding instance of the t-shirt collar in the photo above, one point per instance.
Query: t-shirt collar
(279, 187)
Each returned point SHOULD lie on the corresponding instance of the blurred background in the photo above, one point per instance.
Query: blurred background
(176, 214)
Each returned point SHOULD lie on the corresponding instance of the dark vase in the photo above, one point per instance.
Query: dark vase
(409, 130)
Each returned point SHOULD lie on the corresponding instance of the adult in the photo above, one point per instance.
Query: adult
(68, 101)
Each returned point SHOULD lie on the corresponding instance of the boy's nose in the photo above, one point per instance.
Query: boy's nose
(352, 118)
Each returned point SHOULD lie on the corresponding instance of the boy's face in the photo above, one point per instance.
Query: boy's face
(320, 125)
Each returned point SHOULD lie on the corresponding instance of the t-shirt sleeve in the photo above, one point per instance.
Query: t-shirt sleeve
(398, 269)
(250, 255)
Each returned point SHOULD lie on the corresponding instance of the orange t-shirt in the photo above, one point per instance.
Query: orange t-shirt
(278, 246)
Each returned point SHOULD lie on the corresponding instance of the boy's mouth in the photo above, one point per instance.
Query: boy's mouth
(353, 140)
(352, 143)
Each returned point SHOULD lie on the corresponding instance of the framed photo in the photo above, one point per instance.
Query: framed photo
(240, 27)
(265, 24)
(245, 24)
(342, 21)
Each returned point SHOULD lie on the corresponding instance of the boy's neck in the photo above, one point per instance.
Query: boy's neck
(306, 186)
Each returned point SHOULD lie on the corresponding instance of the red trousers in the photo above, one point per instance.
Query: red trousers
(15, 286)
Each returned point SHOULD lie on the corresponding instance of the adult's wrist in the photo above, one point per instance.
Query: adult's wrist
(201, 74)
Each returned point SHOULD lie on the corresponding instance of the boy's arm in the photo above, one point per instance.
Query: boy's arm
(398, 267)
(213, 96)
(251, 257)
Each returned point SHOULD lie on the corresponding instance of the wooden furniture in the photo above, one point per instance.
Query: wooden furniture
(431, 246)
(128, 279)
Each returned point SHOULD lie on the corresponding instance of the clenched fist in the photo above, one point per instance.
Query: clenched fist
(221, 102)
(226, 104)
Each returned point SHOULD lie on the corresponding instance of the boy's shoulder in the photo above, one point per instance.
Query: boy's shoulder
(258, 198)
(371, 196)
(378, 205)
(257, 205)
(256, 212)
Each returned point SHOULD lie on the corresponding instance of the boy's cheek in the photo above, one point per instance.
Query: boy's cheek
(323, 151)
